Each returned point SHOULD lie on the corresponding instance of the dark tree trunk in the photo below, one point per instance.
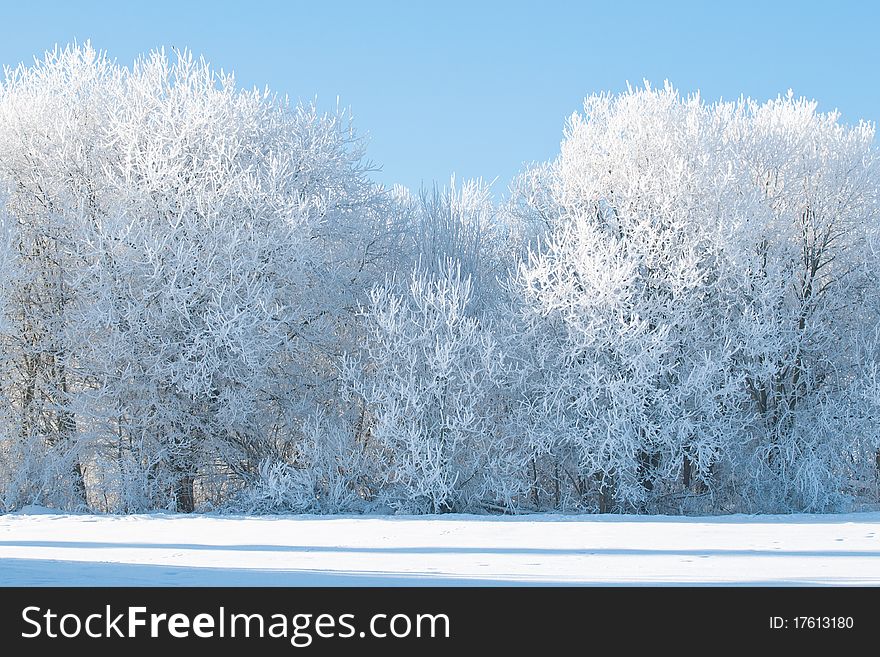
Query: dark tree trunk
(67, 431)
(184, 495)
(79, 482)
(556, 483)
(535, 499)
(645, 472)
(877, 462)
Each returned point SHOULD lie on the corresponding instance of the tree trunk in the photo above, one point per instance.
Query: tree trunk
(535, 499)
(877, 466)
(184, 495)
(67, 433)
(556, 483)
(647, 463)
(79, 482)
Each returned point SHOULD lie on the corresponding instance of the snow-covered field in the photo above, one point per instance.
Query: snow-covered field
(40, 549)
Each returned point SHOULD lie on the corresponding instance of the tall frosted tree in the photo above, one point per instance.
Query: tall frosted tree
(191, 254)
(621, 302)
(808, 303)
(696, 297)
(431, 373)
(51, 157)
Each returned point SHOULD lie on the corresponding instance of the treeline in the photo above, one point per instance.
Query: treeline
(206, 304)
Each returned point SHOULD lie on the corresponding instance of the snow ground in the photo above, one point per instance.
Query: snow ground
(39, 548)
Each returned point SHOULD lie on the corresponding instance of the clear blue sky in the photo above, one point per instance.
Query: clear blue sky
(481, 87)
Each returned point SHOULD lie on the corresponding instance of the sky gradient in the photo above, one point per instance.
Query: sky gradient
(480, 88)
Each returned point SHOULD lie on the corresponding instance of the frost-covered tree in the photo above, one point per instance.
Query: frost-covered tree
(248, 227)
(430, 375)
(696, 298)
(51, 158)
(621, 302)
(431, 383)
(808, 299)
(194, 254)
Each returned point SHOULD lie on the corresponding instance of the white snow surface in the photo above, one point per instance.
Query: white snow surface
(41, 548)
